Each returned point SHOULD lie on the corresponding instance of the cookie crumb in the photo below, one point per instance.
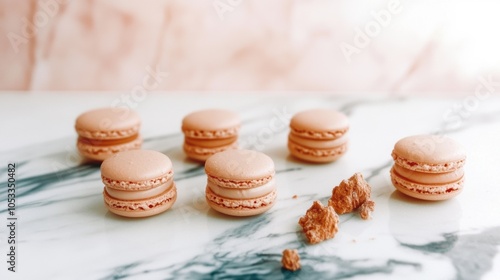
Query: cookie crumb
(350, 194)
(366, 209)
(290, 259)
(319, 223)
(295, 196)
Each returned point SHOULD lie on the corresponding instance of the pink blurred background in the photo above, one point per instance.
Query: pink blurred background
(400, 47)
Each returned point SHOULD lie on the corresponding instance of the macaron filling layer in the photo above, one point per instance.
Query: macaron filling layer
(107, 142)
(210, 143)
(241, 184)
(111, 149)
(136, 186)
(427, 167)
(429, 178)
(317, 144)
(239, 193)
(199, 150)
(241, 203)
(137, 195)
(140, 205)
(426, 188)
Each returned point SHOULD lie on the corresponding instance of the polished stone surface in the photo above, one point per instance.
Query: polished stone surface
(65, 231)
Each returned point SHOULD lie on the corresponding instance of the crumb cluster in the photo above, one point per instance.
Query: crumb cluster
(350, 194)
(290, 260)
(366, 209)
(319, 223)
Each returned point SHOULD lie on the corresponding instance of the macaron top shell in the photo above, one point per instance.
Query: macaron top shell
(240, 165)
(211, 123)
(429, 153)
(108, 123)
(136, 170)
(319, 124)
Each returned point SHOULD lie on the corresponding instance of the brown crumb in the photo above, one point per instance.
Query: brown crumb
(290, 259)
(350, 194)
(366, 209)
(294, 197)
(319, 223)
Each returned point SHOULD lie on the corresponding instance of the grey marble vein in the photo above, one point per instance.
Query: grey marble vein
(471, 254)
(67, 217)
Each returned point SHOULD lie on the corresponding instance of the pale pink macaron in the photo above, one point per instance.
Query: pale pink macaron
(210, 131)
(428, 167)
(107, 131)
(138, 183)
(240, 182)
(318, 135)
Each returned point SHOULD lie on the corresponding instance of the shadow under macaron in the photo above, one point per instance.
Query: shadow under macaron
(412, 220)
(96, 207)
(90, 162)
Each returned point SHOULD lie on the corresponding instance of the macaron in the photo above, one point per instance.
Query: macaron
(210, 131)
(240, 182)
(138, 183)
(428, 167)
(107, 131)
(318, 135)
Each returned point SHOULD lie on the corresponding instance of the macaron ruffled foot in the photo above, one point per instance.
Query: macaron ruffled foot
(208, 132)
(428, 167)
(107, 131)
(318, 135)
(240, 182)
(138, 183)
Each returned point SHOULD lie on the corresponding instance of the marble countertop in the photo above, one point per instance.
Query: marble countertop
(65, 232)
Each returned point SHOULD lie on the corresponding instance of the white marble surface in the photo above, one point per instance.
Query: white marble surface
(65, 232)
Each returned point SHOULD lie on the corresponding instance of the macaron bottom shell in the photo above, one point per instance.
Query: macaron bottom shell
(316, 155)
(240, 207)
(201, 154)
(141, 208)
(102, 152)
(432, 192)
